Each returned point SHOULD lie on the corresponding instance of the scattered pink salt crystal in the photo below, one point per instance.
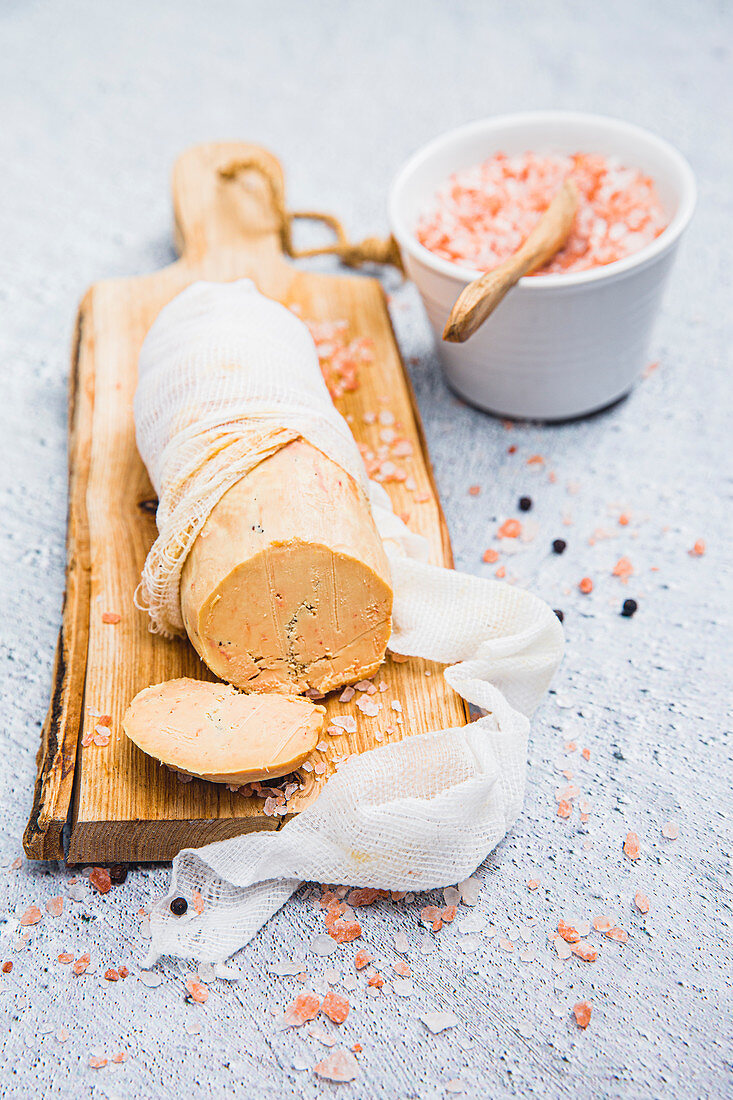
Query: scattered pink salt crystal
(470, 889)
(439, 1021)
(641, 901)
(306, 1006)
(631, 847)
(197, 991)
(341, 1065)
(346, 722)
(617, 934)
(569, 934)
(564, 950)
(364, 895)
(584, 951)
(99, 878)
(335, 1007)
(368, 707)
(362, 958)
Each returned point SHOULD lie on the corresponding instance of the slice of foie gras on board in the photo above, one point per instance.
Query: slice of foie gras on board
(217, 733)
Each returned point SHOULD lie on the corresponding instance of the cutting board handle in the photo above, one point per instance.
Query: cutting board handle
(213, 212)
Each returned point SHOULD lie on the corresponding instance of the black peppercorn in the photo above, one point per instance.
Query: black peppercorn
(559, 545)
(630, 606)
(560, 614)
(179, 906)
(525, 503)
(118, 873)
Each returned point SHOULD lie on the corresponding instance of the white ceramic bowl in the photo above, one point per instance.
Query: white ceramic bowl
(558, 346)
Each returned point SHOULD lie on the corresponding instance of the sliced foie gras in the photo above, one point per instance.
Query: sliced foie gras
(216, 733)
(287, 587)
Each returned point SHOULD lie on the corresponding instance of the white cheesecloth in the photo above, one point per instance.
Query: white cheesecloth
(414, 815)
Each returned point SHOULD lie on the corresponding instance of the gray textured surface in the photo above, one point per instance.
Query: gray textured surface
(96, 102)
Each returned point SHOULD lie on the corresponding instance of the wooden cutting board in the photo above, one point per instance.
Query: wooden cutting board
(120, 804)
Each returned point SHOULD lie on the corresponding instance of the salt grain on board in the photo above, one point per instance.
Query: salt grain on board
(346, 722)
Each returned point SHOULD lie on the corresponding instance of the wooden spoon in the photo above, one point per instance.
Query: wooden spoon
(481, 297)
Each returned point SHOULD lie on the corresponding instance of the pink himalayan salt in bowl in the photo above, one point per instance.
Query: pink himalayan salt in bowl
(562, 343)
(482, 215)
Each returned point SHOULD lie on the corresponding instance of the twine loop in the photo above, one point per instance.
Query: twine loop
(371, 250)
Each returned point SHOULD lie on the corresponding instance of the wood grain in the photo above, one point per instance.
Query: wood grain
(126, 806)
(57, 753)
